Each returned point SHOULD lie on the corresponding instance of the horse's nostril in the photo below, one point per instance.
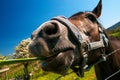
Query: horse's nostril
(51, 29)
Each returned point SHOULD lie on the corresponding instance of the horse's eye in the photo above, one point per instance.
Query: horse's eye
(91, 17)
(87, 33)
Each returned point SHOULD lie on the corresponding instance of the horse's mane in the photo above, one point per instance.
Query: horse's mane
(104, 30)
(107, 34)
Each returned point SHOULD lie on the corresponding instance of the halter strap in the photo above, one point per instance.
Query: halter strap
(91, 46)
(70, 26)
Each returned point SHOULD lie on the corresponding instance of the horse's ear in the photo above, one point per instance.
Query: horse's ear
(98, 9)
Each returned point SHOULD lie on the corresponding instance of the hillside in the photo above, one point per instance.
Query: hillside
(115, 32)
(113, 27)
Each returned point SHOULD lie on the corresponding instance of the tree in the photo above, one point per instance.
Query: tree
(21, 51)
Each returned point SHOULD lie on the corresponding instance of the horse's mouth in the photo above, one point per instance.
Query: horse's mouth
(56, 52)
(60, 62)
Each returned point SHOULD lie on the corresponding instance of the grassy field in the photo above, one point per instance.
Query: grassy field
(70, 76)
(17, 71)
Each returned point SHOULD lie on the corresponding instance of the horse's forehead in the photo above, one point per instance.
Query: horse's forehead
(80, 21)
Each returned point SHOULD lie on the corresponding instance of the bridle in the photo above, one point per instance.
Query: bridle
(85, 47)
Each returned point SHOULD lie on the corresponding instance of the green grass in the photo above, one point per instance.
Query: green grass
(117, 34)
(20, 60)
(41, 75)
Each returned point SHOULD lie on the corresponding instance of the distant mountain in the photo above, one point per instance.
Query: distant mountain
(114, 26)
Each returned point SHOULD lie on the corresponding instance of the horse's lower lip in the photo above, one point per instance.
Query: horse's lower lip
(59, 63)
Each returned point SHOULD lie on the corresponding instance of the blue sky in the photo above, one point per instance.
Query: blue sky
(18, 18)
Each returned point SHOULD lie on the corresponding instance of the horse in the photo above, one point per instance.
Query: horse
(78, 42)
